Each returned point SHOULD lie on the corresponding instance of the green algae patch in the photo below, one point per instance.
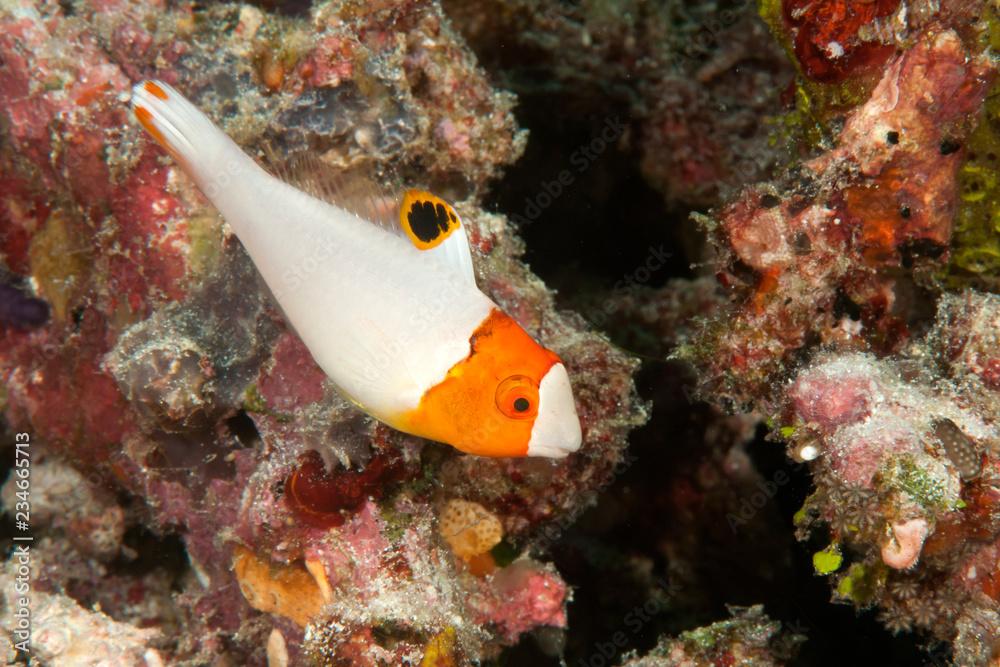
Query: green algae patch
(861, 583)
(804, 125)
(828, 560)
(254, 402)
(976, 241)
(922, 486)
(205, 235)
(802, 517)
(396, 522)
(975, 256)
(707, 637)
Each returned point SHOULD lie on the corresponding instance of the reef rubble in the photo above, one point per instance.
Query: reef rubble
(831, 332)
(201, 494)
(167, 401)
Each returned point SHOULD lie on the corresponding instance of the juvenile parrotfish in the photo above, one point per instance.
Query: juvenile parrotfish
(387, 305)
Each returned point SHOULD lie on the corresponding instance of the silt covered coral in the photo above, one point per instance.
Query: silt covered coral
(831, 334)
(748, 638)
(167, 376)
(225, 504)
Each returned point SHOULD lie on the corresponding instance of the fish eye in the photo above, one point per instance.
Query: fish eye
(517, 397)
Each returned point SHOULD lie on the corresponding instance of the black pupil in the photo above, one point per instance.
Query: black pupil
(521, 404)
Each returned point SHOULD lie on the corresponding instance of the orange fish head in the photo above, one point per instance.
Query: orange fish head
(509, 397)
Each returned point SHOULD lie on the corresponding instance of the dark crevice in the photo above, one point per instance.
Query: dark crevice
(243, 428)
(589, 220)
(152, 552)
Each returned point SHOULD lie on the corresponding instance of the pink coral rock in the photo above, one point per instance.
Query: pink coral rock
(524, 595)
(168, 375)
(830, 400)
(902, 549)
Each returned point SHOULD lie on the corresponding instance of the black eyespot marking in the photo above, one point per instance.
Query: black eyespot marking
(892, 137)
(522, 404)
(427, 221)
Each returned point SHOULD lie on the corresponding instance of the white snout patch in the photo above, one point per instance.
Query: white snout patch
(556, 432)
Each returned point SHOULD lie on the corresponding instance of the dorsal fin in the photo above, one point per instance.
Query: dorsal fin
(423, 219)
(434, 227)
(355, 189)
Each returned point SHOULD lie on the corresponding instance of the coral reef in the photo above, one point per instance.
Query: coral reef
(822, 259)
(200, 493)
(167, 396)
(693, 79)
(839, 310)
(64, 634)
(749, 638)
(906, 471)
(66, 501)
(830, 335)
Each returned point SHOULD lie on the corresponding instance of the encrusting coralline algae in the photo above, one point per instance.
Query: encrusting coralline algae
(167, 372)
(847, 300)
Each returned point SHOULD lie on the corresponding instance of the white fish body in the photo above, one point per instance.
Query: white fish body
(384, 320)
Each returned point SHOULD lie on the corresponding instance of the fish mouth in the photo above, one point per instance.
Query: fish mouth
(556, 431)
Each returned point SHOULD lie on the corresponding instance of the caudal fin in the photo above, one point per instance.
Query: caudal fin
(202, 149)
(175, 123)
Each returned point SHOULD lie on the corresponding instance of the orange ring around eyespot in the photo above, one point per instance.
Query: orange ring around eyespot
(413, 198)
(514, 389)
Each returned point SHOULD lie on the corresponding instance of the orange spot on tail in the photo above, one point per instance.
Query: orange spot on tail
(155, 90)
(146, 119)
